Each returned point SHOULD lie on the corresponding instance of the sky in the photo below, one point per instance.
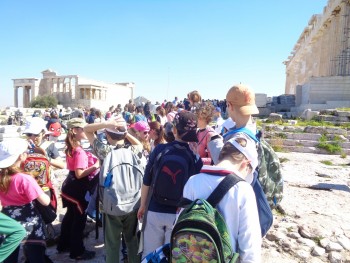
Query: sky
(167, 48)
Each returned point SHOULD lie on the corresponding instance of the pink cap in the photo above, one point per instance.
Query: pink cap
(141, 126)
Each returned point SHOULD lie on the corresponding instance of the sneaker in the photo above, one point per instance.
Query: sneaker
(85, 256)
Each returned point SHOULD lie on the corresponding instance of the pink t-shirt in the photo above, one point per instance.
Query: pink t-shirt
(22, 190)
(79, 160)
(203, 137)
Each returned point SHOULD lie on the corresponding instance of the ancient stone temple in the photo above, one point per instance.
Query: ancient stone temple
(73, 90)
(318, 69)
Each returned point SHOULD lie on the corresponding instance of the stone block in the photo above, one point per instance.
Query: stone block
(311, 114)
(275, 117)
(343, 113)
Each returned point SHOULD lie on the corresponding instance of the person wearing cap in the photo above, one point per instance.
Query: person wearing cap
(241, 106)
(35, 130)
(73, 192)
(141, 131)
(117, 136)
(17, 193)
(160, 217)
(238, 207)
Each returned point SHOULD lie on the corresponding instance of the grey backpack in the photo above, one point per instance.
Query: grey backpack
(121, 178)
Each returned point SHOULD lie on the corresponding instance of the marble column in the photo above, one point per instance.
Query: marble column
(16, 96)
(26, 96)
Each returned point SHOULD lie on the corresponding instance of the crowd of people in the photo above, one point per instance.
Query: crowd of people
(162, 136)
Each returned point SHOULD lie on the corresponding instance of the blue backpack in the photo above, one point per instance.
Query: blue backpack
(264, 185)
(172, 168)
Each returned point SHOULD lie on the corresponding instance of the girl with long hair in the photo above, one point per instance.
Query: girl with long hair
(18, 191)
(156, 134)
(74, 189)
(161, 116)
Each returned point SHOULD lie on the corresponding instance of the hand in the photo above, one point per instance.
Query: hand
(140, 213)
(115, 123)
(97, 164)
(39, 150)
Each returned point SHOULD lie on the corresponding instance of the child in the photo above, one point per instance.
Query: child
(240, 107)
(74, 189)
(17, 193)
(204, 114)
(36, 131)
(115, 225)
(156, 134)
(238, 206)
(160, 216)
(13, 232)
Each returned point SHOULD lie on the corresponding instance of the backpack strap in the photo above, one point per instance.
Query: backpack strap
(224, 186)
(244, 130)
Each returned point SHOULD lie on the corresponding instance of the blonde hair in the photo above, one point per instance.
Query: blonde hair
(145, 144)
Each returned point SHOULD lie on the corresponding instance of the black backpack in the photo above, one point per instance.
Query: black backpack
(172, 168)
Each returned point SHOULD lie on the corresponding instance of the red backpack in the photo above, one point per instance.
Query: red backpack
(38, 166)
(55, 129)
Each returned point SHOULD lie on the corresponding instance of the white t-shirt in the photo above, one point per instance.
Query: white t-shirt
(218, 126)
(238, 207)
(163, 119)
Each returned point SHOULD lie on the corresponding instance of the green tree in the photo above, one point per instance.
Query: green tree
(46, 101)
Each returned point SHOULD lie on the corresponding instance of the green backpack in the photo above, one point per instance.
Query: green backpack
(200, 233)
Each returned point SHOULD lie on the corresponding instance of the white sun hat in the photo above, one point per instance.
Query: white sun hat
(35, 125)
(10, 150)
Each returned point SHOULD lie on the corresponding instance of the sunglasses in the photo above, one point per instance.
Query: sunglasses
(32, 134)
(146, 132)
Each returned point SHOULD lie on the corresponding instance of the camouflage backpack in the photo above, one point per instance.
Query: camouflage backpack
(269, 167)
(200, 233)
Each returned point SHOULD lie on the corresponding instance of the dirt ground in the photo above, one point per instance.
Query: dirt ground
(326, 205)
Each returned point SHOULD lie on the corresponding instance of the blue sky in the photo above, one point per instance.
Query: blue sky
(168, 48)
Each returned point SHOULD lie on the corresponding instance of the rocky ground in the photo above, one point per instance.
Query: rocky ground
(315, 225)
